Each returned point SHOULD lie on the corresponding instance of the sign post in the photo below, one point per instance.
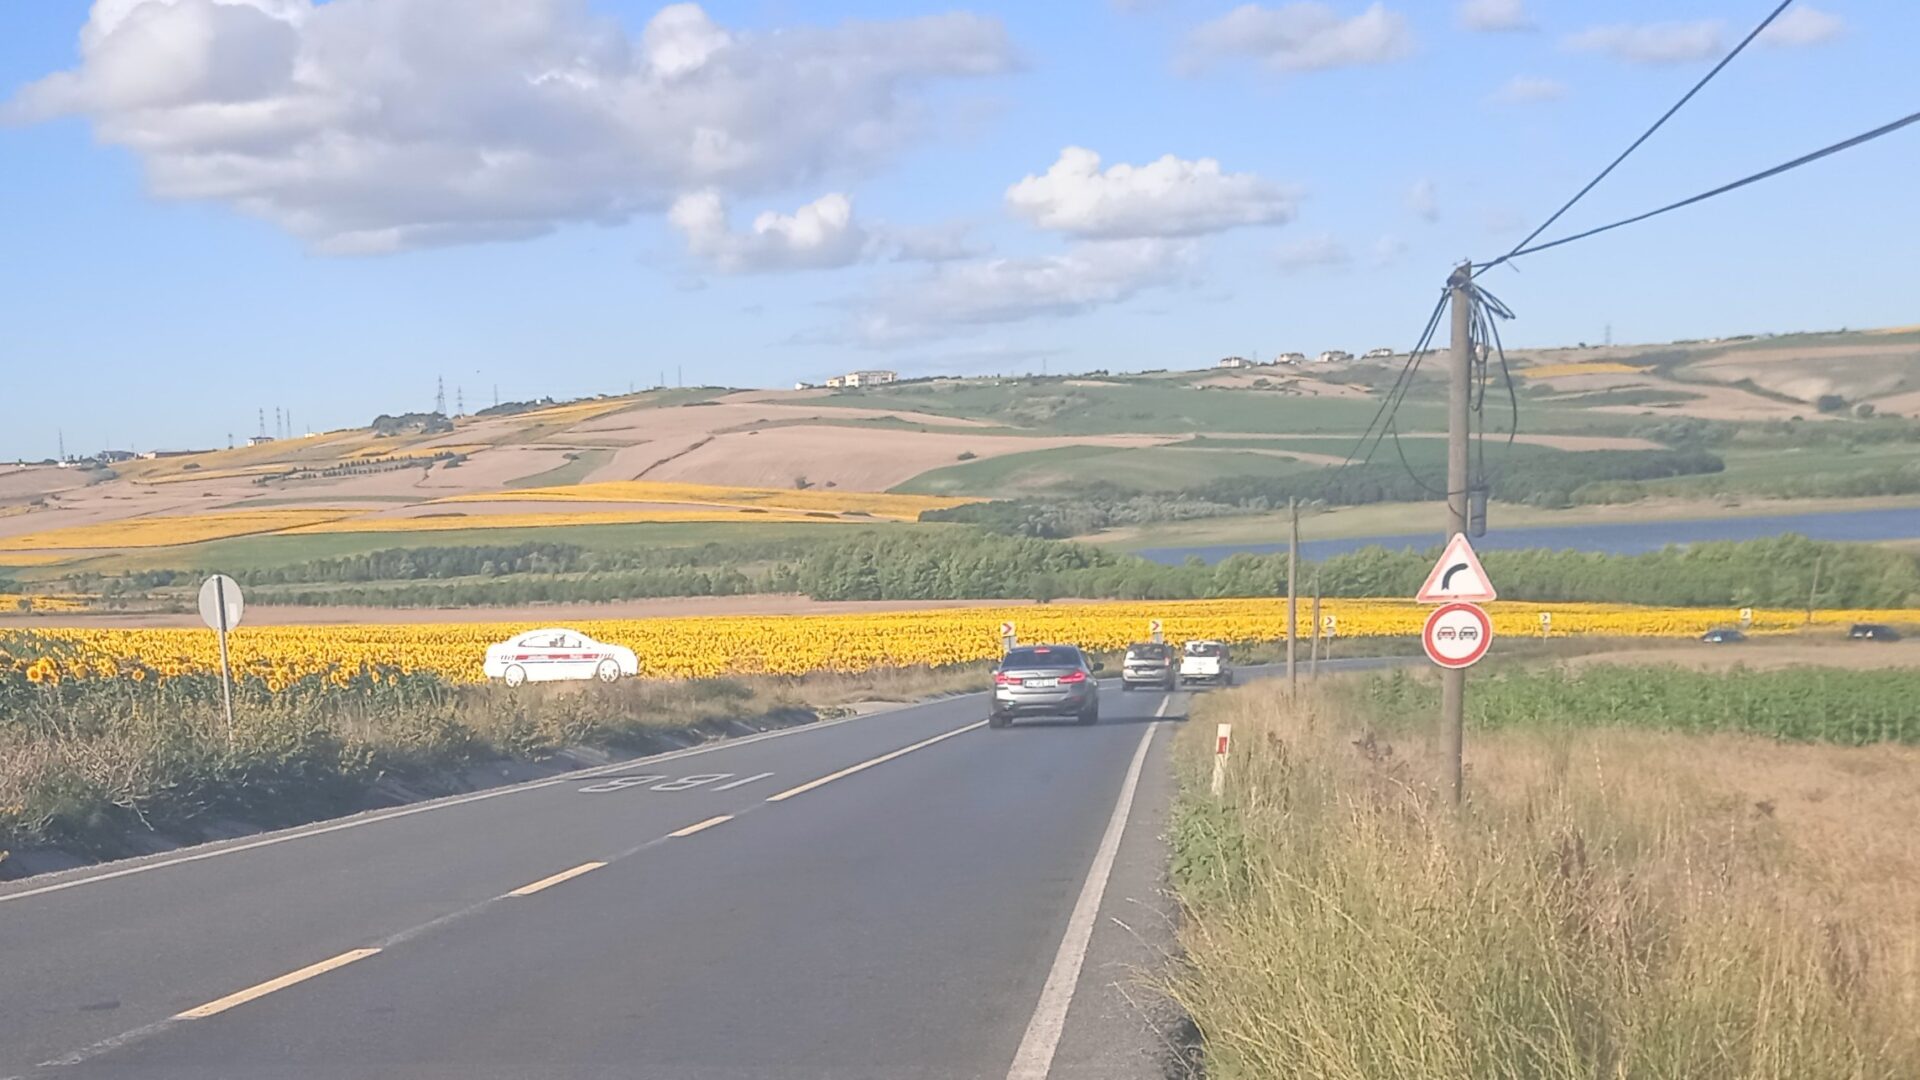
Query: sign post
(1154, 632)
(221, 606)
(1007, 638)
(1546, 624)
(1222, 738)
(1746, 618)
(1457, 633)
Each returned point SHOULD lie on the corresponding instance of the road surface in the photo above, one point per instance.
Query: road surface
(884, 897)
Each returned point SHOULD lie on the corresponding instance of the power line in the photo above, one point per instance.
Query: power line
(1645, 135)
(1884, 129)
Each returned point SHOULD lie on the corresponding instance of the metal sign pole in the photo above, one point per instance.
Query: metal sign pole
(226, 671)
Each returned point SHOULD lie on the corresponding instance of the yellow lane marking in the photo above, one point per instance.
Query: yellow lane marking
(881, 760)
(550, 882)
(700, 826)
(212, 1008)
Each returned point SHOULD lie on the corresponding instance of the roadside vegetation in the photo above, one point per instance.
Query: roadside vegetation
(960, 564)
(88, 763)
(1617, 898)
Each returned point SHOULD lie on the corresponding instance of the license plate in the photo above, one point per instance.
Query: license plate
(1041, 684)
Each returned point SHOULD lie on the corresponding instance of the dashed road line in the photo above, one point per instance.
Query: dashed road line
(241, 997)
(550, 882)
(871, 762)
(702, 826)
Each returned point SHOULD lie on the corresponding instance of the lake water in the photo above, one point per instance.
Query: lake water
(1625, 538)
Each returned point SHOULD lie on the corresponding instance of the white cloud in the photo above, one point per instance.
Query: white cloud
(1803, 25)
(1168, 197)
(1322, 250)
(820, 235)
(1305, 36)
(1652, 43)
(1422, 200)
(933, 244)
(362, 126)
(1389, 249)
(964, 295)
(1527, 89)
(1494, 15)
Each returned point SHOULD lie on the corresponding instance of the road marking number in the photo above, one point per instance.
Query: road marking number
(662, 782)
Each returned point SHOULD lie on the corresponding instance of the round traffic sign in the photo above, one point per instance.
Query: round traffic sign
(220, 603)
(1457, 635)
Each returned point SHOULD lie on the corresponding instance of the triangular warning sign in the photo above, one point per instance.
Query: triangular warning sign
(1457, 576)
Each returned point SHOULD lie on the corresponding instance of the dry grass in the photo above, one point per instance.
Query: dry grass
(1610, 904)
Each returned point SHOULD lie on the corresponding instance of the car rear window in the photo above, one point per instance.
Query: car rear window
(1049, 657)
(1204, 648)
(1148, 651)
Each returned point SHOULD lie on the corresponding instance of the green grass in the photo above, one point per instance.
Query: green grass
(579, 463)
(997, 474)
(1067, 470)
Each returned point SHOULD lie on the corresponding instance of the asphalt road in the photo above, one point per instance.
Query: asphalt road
(902, 895)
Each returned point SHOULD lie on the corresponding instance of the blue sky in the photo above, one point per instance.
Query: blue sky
(214, 206)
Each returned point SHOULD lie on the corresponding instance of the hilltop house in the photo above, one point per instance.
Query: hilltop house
(854, 379)
(1335, 356)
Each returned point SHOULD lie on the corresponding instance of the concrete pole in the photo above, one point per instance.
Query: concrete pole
(1293, 596)
(1453, 684)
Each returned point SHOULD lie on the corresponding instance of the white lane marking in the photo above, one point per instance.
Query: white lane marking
(871, 762)
(1035, 1057)
(550, 882)
(620, 782)
(241, 997)
(688, 783)
(303, 832)
(743, 783)
(702, 826)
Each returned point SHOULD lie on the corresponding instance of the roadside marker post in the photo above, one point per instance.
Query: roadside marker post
(1222, 739)
(1007, 637)
(221, 606)
(1546, 623)
(1154, 632)
(1746, 618)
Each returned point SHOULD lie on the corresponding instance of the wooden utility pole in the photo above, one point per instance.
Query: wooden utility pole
(1293, 595)
(1453, 681)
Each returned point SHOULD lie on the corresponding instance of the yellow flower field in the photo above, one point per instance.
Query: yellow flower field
(524, 521)
(794, 644)
(876, 504)
(166, 531)
(1602, 367)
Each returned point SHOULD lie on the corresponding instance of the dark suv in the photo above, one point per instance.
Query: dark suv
(1868, 631)
(1149, 663)
(1044, 680)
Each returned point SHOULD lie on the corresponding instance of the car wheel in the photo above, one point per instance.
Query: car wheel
(997, 721)
(515, 674)
(1227, 679)
(1089, 716)
(607, 672)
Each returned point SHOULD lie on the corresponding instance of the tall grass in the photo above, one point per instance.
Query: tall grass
(1604, 907)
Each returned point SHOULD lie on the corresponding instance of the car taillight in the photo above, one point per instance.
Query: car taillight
(1074, 677)
(1003, 679)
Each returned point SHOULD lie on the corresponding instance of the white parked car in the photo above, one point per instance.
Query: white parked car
(1205, 662)
(554, 654)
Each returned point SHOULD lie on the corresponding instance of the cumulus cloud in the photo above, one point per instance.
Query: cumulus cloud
(1312, 252)
(819, 235)
(1164, 198)
(959, 296)
(365, 127)
(1652, 43)
(1528, 89)
(1389, 249)
(933, 243)
(1803, 25)
(1422, 200)
(1494, 15)
(1305, 36)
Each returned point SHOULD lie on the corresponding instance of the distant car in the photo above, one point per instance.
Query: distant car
(1148, 663)
(1723, 637)
(555, 654)
(1377, 354)
(1044, 680)
(1867, 631)
(1205, 662)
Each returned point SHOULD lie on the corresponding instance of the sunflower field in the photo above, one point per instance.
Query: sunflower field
(711, 646)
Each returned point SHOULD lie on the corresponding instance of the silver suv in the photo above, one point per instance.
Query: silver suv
(1044, 680)
(1149, 663)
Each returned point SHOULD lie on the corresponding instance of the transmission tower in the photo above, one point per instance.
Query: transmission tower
(263, 423)
(440, 395)
(459, 401)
